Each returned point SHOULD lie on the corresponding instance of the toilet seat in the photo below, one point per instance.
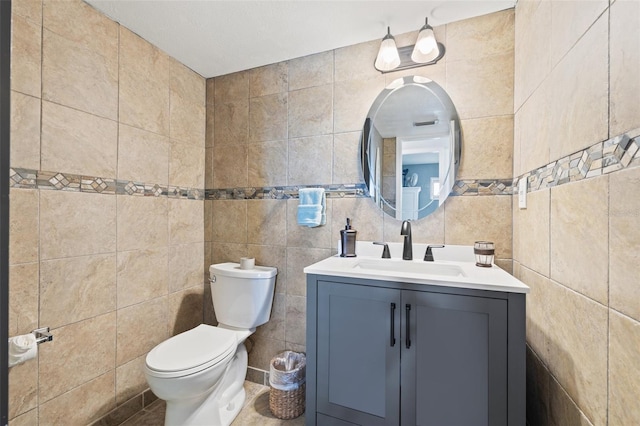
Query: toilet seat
(192, 351)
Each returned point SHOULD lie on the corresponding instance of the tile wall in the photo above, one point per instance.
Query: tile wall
(577, 245)
(107, 236)
(299, 123)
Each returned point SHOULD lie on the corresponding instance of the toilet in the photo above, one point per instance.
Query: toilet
(200, 373)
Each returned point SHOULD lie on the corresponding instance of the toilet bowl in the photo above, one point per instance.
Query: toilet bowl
(200, 373)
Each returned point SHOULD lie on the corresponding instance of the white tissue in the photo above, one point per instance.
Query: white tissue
(22, 348)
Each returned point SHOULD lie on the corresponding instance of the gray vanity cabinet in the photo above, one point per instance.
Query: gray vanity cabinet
(383, 353)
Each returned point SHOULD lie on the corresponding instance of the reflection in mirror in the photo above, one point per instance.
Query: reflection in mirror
(410, 148)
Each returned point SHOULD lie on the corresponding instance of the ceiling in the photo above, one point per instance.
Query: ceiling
(217, 37)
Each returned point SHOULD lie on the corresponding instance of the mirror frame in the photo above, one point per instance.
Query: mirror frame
(431, 89)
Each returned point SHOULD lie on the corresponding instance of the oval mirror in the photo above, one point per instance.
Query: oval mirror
(410, 148)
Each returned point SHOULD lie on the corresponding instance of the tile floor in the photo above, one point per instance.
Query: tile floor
(255, 411)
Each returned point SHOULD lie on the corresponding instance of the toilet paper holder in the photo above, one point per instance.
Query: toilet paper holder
(42, 335)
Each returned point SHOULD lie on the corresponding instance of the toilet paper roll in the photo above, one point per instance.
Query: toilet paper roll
(247, 263)
(22, 348)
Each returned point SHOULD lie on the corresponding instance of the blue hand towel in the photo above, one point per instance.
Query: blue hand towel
(311, 207)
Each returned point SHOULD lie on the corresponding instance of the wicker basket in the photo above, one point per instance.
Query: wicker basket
(287, 404)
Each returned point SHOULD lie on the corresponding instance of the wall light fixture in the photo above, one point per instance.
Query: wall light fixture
(426, 51)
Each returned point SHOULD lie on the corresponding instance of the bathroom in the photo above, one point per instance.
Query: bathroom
(115, 273)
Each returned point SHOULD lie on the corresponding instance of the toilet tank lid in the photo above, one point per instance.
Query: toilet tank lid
(231, 269)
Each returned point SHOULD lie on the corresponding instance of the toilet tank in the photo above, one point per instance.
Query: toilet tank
(242, 298)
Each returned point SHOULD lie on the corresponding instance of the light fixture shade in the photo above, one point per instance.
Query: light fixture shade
(388, 57)
(426, 47)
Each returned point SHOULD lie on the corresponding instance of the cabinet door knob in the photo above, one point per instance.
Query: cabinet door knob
(392, 340)
(408, 313)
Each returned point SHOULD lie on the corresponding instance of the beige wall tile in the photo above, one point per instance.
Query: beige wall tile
(295, 327)
(26, 54)
(534, 130)
(210, 91)
(531, 247)
(232, 87)
(130, 379)
(268, 80)
(143, 84)
(353, 98)
(299, 258)
(624, 354)
(228, 252)
(28, 419)
(346, 163)
(78, 353)
(76, 224)
(479, 218)
(487, 148)
(23, 298)
(267, 163)
(268, 118)
(186, 221)
(579, 236)
(356, 62)
(578, 349)
(580, 109)
(23, 226)
(142, 222)
(186, 309)
(624, 241)
(532, 39)
(78, 76)
(76, 288)
(562, 409)
(480, 37)
(142, 275)
(186, 165)
(230, 166)
(569, 21)
(208, 220)
(263, 351)
(142, 156)
(310, 71)
(537, 311)
(267, 222)
(91, 28)
(29, 9)
(301, 151)
(311, 111)
(208, 167)
(303, 236)
(187, 105)
(131, 340)
(471, 82)
(25, 131)
(23, 389)
(185, 266)
(77, 142)
(365, 217)
(231, 122)
(624, 57)
(230, 221)
(210, 128)
(274, 328)
(82, 405)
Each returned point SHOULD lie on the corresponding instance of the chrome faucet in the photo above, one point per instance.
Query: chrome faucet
(407, 250)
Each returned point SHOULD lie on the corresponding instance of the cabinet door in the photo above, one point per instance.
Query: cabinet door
(454, 365)
(358, 371)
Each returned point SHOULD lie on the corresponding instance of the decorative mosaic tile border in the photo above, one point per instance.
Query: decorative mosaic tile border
(599, 159)
(36, 179)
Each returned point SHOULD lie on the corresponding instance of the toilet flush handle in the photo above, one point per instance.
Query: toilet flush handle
(212, 280)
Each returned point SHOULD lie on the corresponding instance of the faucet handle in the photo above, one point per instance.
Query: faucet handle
(428, 255)
(386, 254)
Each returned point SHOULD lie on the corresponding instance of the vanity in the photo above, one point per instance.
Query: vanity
(394, 342)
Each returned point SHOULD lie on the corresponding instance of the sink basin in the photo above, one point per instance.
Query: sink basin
(427, 268)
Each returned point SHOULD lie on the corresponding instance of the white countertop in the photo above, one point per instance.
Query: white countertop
(452, 258)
